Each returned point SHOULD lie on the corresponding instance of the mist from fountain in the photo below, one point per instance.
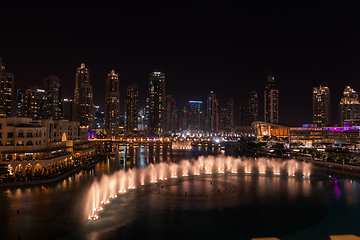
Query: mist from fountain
(110, 187)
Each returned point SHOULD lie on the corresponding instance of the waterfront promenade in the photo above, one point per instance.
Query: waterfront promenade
(54, 178)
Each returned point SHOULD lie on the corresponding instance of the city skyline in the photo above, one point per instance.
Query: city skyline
(334, 120)
(301, 53)
(180, 120)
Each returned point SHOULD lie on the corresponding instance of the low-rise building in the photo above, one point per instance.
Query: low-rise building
(310, 136)
(262, 129)
(37, 147)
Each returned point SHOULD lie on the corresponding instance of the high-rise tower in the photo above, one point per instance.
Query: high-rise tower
(212, 115)
(196, 115)
(83, 98)
(156, 102)
(132, 99)
(321, 106)
(271, 101)
(171, 114)
(349, 107)
(112, 104)
(67, 109)
(6, 92)
(34, 103)
(227, 116)
(20, 102)
(253, 106)
(53, 94)
(230, 108)
(243, 116)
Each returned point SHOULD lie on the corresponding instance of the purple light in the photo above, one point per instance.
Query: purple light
(337, 192)
(91, 135)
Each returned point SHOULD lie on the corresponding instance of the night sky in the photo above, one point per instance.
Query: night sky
(224, 47)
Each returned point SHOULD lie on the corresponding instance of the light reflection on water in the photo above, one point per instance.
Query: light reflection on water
(52, 210)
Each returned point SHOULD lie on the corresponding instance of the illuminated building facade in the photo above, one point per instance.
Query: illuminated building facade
(156, 119)
(146, 111)
(112, 104)
(313, 136)
(142, 123)
(270, 129)
(31, 147)
(224, 119)
(99, 118)
(171, 114)
(195, 115)
(230, 114)
(185, 118)
(83, 98)
(53, 94)
(6, 92)
(349, 107)
(212, 114)
(227, 116)
(271, 101)
(132, 98)
(34, 103)
(321, 106)
(253, 107)
(19, 102)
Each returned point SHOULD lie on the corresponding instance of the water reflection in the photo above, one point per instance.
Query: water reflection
(337, 191)
(51, 211)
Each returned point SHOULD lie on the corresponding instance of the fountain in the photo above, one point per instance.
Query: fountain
(108, 188)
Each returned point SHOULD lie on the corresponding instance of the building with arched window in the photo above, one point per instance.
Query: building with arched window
(30, 146)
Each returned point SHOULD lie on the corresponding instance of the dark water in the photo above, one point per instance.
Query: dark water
(231, 206)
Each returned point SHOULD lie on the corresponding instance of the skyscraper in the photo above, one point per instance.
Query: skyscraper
(349, 107)
(132, 98)
(185, 118)
(67, 109)
(212, 115)
(99, 118)
(230, 114)
(196, 115)
(6, 92)
(243, 116)
(321, 106)
(156, 102)
(146, 112)
(83, 98)
(53, 93)
(34, 103)
(19, 102)
(142, 124)
(253, 107)
(224, 119)
(271, 101)
(171, 114)
(112, 104)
